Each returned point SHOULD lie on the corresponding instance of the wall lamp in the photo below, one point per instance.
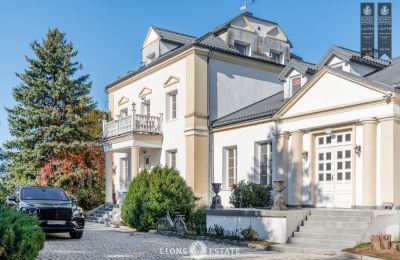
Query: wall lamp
(305, 155)
(357, 149)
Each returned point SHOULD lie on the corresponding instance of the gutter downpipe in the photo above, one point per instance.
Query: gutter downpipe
(210, 134)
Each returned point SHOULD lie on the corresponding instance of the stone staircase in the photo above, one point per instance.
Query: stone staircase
(327, 231)
(104, 213)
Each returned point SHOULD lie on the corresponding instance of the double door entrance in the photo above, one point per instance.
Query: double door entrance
(333, 170)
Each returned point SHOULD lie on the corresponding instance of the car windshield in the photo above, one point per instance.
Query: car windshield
(43, 194)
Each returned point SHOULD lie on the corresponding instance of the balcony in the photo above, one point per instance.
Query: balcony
(135, 123)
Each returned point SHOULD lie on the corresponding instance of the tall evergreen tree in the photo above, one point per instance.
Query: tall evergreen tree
(52, 104)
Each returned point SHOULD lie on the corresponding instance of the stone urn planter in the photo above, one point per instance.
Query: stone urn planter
(279, 199)
(216, 200)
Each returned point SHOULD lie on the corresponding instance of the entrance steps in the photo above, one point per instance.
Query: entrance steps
(328, 231)
(103, 213)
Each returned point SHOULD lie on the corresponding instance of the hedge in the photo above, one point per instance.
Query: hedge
(21, 238)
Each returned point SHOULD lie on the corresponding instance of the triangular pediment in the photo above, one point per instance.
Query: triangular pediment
(151, 36)
(171, 80)
(243, 23)
(276, 32)
(329, 90)
(123, 100)
(145, 91)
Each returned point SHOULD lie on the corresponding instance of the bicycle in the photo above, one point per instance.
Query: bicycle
(167, 224)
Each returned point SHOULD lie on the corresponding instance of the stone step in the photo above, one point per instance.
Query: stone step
(339, 218)
(336, 224)
(342, 212)
(299, 248)
(344, 237)
(321, 242)
(332, 230)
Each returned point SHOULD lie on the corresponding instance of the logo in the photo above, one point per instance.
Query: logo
(385, 10)
(367, 10)
(198, 250)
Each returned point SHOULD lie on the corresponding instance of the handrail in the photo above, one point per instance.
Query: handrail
(133, 123)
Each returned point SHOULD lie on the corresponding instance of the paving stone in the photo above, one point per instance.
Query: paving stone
(99, 242)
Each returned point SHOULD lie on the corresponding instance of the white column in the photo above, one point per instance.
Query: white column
(368, 150)
(134, 161)
(281, 162)
(109, 177)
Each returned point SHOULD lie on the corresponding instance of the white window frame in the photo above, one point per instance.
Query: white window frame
(123, 113)
(278, 53)
(124, 173)
(226, 168)
(172, 111)
(171, 157)
(145, 107)
(268, 163)
(246, 45)
(291, 85)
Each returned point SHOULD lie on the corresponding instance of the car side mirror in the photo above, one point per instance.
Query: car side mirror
(74, 200)
(12, 198)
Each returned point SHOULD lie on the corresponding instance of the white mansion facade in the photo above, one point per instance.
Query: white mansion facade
(235, 104)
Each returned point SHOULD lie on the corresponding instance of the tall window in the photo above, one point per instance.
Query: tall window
(172, 105)
(265, 163)
(123, 113)
(295, 85)
(171, 158)
(276, 56)
(145, 106)
(242, 48)
(124, 174)
(230, 166)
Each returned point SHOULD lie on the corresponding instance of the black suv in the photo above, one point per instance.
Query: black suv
(55, 210)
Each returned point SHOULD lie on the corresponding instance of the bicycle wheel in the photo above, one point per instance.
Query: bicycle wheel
(180, 227)
(163, 225)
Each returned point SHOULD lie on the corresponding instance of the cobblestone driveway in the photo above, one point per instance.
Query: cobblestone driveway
(99, 242)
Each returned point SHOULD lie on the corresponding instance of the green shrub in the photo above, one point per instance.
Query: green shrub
(197, 220)
(152, 193)
(20, 235)
(216, 231)
(249, 234)
(250, 195)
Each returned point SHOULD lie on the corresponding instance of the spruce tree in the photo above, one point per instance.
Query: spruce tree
(52, 102)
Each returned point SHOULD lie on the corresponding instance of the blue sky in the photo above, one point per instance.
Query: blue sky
(109, 34)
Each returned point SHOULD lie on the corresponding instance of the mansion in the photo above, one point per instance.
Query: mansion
(236, 104)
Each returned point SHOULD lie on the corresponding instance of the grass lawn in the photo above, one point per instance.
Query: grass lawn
(365, 249)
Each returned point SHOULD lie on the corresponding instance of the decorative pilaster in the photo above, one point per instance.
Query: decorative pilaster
(369, 162)
(109, 177)
(297, 158)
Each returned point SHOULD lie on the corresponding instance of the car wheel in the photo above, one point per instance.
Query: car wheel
(76, 235)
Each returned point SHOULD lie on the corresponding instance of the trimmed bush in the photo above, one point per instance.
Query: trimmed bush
(20, 235)
(249, 234)
(152, 193)
(197, 220)
(250, 195)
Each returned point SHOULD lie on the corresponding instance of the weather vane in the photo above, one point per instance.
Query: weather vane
(244, 7)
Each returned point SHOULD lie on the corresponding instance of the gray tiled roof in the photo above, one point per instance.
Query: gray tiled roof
(172, 36)
(301, 66)
(208, 40)
(389, 75)
(263, 108)
(353, 55)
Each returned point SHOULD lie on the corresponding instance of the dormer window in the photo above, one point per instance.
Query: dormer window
(338, 66)
(295, 85)
(276, 56)
(242, 48)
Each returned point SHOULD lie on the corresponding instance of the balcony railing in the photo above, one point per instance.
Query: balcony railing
(133, 123)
